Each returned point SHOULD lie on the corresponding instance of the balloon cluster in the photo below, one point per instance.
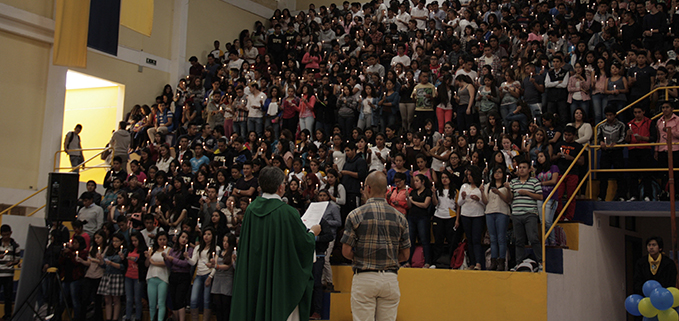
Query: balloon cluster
(659, 304)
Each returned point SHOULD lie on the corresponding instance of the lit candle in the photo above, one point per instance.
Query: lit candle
(98, 249)
(121, 248)
(76, 253)
(186, 247)
(150, 250)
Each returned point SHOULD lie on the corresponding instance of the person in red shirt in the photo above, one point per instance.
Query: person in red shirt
(667, 121)
(640, 131)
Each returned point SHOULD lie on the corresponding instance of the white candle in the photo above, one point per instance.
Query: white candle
(76, 253)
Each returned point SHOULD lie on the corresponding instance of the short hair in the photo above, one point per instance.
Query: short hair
(76, 224)
(270, 178)
(351, 145)
(87, 196)
(658, 239)
(570, 129)
(148, 217)
(611, 109)
(5, 228)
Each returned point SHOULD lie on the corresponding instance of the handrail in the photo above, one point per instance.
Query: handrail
(101, 149)
(36, 210)
(632, 104)
(23, 200)
(562, 177)
(588, 177)
(660, 114)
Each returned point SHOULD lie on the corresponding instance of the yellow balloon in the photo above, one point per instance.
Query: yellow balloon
(675, 294)
(668, 315)
(647, 309)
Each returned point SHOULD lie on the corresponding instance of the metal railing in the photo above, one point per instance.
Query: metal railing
(588, 177)
(81, 166)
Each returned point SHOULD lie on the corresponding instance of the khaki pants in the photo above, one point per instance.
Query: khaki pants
(375, 296)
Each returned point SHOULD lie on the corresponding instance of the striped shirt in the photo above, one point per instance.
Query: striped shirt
(377, 232)
(11, 253)
(524, 204)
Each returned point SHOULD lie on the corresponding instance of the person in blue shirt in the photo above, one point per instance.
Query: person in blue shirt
(198, 158)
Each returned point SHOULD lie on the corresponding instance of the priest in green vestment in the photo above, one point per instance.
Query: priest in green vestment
(273, 280)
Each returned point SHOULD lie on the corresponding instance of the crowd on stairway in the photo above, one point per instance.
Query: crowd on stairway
(474, 110)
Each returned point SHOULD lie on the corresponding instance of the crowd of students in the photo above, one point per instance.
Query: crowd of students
(472, 109)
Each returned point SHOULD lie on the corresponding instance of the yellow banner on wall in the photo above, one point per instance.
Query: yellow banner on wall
(70, 33)
(137, 15)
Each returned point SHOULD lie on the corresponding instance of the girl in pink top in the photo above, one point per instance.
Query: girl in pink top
(306, 108)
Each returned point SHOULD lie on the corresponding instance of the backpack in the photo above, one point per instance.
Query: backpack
(418, 257)
(459, 255)
(560, 236)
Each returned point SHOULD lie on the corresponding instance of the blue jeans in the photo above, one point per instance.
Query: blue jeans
(76, 160)
(256, 124)
(72, 291)
(133, 297)
(506, 110)
(497, 229)
(388, 118)
(473, 227)
(584, 104)
(598, 104)
(200, 292)
(520, 117)
(241, 128)
(549, 217)
(420, 227)
(536, 111)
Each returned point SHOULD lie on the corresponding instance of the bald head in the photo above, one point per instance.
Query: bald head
(376, 184)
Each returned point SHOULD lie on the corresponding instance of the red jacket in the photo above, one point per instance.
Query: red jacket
(643, 129)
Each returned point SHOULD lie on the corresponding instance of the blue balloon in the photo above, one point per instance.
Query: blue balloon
(650, 319)
(662, 299)
(632, 304)
(649, 286)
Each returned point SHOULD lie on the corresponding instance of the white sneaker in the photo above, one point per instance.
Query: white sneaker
(632, 199)
(432, 266)
(621, 199)
(647, 199)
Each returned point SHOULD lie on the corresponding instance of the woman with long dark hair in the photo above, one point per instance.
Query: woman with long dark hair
(180, 276)
(222, 284)
(498, 200)
(471, 211)
(135, 276)
(418, 215)
(444, 217)
(201, 258)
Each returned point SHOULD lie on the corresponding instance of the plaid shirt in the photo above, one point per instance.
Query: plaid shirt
(241, 115)
(377, 232)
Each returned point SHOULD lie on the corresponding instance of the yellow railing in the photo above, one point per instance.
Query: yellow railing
(23, 200)
(56, 168)
(82, 165)
(587, 178)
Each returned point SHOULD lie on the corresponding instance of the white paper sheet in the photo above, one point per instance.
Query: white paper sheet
(314, 214)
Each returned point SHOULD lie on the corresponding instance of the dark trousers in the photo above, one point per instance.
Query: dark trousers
(347, 124)
(180, 284)
(561, 108)
(612, 158)
(7, 284)
(419, 227)
(464, 120)
(420, 119)
(444, 232)
(640, 158)
(291, 124)
(662, 163)
(89, 293)
(474, 227)
(222, 304)
(317, 271)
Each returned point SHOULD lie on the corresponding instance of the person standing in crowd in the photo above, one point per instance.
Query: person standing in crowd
(71, 143)
(655, 266)
(90, 214)
(120, 142)
(353, 173)
(525, 192)
(11, 255)
(565, 153)
(289, 280)
(611, 133)
(375, 256)
(668, 121)
(640, 131)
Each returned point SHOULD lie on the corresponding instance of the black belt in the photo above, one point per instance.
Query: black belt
(377, 271)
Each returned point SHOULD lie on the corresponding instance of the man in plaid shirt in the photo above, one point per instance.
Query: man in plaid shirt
(376, 239)
(240, 123)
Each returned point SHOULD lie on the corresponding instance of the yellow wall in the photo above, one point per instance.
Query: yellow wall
(211, 20)
(24, 66)
(161, 36)
(95, 109)
(456, 295)
(140, 87)
(44, 8)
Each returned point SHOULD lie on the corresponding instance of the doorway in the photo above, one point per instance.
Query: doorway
(633, 251)
(96, 104)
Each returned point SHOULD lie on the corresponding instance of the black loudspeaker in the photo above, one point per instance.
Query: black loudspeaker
(62, 196)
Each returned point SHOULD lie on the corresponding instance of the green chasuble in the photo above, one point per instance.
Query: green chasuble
(273, 268)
